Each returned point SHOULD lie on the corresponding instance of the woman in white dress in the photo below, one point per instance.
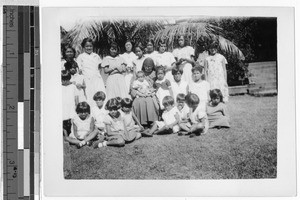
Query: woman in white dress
(165, 59)
(89, 65)
(184, 56)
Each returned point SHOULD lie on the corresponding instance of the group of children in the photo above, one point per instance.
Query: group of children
(99, 115)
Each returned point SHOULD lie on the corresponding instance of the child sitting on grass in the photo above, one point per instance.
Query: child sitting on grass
(131, 121)
(183, 110)
(98, 111)
(117, 133)
(83, 126)
(198, 123)
(216, 110)
(170, 120)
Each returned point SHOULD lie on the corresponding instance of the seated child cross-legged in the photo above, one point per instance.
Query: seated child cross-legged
(216, 110)
(99, 113)
(170, 121)
(183, 110)
(198, 123)
(83, 126)
(131, 121)
(117, 133)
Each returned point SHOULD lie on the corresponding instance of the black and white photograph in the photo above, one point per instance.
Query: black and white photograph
(170, 98)
(147, 98)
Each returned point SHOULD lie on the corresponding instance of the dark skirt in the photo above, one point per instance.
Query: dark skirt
(145, 109)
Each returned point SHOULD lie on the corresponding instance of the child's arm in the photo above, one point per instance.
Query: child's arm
(205, 69)
(76, 100)
(176, 121)
(224, 111)
(224, 69)
(75, 131)
(137, 120)
(109, 131)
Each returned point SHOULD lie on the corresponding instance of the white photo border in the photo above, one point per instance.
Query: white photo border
(54, 183)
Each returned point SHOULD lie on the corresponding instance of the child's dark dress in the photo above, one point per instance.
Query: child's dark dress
(217, 116)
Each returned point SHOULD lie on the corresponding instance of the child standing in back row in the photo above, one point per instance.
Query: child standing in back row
(215, 70)
(89, 65)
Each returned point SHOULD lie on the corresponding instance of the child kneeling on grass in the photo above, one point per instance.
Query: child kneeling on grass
(83, 126)
(198, 123)
(116, 131)
(216, 110)
(170, 118)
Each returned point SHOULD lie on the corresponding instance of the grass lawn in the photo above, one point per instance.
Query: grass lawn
(247, 150)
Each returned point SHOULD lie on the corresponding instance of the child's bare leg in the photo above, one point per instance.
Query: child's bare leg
(163, 130)
(116, 141)
(150, 132)
(91, 136)
(138, 135)
(72, 140)
(197, 129)
(184, 127)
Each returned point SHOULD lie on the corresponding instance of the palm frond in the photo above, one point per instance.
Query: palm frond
(196, 31)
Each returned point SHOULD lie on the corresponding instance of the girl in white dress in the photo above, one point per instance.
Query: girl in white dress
(78, 80)
(199, 87)
(165, 59)
(69, 102)
(215, 71)
(129, 57)
(184, 56)
(83, 126)
(179, 85)
(162, 86)
(89, 65)
(138, 62)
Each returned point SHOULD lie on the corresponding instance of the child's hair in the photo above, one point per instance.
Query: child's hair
(140, 72)
(162, 41)
(168, 101)
(197, 68)
(160, 68)
(66, 48)
(126, 102)
(83, 107)
(192, 100)
(129, 42)
(85, 40)
(119, 99)
(215, 93)
(114, 45)
(148, 61)
(180, 97)
(112, 104)
(99, 96)
(175, 70)
(214, 45)
(65, 75)
(139, 45)
(184, 38)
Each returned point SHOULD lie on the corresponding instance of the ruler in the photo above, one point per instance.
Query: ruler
(21, 102)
